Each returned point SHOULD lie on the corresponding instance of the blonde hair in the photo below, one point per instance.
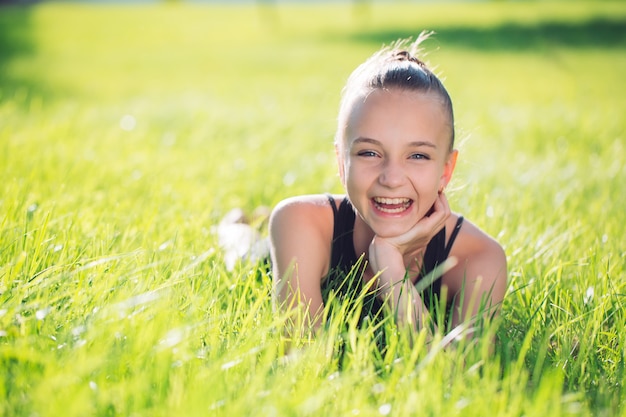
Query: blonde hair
(393, 67)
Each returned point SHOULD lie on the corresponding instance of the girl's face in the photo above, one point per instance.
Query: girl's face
(395, 158)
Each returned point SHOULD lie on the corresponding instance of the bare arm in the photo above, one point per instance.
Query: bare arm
(389, 257)
(476, 274)
(300, 249)
(479, 279)
(398, 291)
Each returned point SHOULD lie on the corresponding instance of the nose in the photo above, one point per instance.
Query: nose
(392, 175)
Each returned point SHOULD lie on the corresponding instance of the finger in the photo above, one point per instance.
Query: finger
(441, 212)
(428, 226)
(435, 222)
(443, 201)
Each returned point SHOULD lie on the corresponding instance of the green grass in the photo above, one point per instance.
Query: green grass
(114, 295)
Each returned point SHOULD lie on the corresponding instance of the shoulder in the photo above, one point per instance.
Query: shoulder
(301, 230)
(304, 202)
(477, 254)
(471, 240)
(306, 211)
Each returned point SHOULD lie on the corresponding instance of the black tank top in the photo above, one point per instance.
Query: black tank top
(344, 281)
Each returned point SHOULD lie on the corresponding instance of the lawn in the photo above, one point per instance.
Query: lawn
(128, 131)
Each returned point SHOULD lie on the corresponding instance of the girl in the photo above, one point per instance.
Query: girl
(395, 150)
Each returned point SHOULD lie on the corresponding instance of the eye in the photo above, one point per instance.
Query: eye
(419, 156)
(369, 154)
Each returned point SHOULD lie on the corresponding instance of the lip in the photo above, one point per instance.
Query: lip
(391, 206)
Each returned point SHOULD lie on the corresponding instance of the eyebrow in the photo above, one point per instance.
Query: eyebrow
(415, 144)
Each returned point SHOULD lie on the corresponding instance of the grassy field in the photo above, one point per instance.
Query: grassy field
(128, 131)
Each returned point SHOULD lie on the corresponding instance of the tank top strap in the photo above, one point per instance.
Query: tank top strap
(336, 223)
(453, 236)
(333, 205)
(342, 249)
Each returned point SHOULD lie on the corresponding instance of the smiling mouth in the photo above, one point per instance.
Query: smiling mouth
(392, 205)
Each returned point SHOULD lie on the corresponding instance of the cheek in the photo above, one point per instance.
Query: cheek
(356, 187)
(356, 177)
(427, 186)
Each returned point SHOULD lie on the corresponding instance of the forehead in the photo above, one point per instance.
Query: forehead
(402, 115)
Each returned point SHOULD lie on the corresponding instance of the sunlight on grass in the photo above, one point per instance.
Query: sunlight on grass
(128, 131)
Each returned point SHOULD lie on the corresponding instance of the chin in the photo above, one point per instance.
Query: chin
(390, 231)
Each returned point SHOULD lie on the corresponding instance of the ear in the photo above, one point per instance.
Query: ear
(448, 169)
(340, 164)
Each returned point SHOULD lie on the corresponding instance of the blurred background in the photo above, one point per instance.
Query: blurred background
(128, 130)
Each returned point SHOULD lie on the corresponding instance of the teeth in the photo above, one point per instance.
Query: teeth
(392, 205)
(392, 211)
(384, 200)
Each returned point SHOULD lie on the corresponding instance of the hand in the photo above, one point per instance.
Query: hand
(389, 254)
